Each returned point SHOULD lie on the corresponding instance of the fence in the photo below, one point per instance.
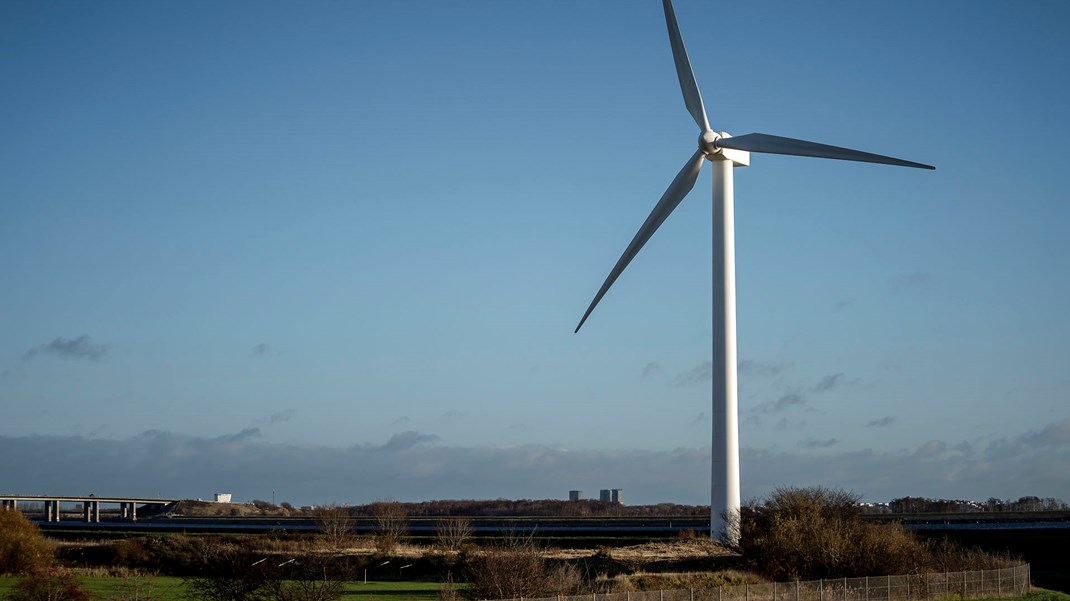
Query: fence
(1005, 582)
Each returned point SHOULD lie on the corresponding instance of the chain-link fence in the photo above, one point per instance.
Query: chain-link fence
(1005, 582)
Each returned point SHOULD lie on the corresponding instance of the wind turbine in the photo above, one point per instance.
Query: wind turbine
(724, 152)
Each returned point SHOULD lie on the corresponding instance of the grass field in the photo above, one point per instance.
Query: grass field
(1038, 594)
(166, 588)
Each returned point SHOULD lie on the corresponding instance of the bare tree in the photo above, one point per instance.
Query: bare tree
(517, 569)
(228, 572)
(308, 579)
(234, 573)
(308, 589)
(336, 523)
(391, 524)
(453, 532)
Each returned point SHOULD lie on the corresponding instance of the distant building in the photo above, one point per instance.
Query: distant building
(222, 497)
(611, 495)
(575, 495)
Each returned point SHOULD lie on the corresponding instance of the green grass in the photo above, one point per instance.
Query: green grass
(1038, 594)
(396, 591)
(168, 588)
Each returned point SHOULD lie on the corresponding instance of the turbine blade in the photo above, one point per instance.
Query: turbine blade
(688, 85)
(780, 145)
(677, 190)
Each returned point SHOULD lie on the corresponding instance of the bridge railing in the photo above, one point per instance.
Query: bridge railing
(1005, 582)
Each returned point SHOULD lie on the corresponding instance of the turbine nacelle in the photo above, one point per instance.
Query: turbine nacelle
(708, 143)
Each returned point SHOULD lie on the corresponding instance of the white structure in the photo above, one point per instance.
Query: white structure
(575, 495)
(724, 152)
(222, 497)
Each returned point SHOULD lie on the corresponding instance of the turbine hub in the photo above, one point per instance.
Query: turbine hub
(708, 143)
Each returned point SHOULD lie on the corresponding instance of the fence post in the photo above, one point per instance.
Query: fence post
(774, 591)
(796, 590)
(821, 590)
(964, 584)
(867, 588)
(844, 589)
(747, 586)
(692, 591)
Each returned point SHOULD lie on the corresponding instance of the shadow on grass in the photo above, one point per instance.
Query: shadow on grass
(393, 591)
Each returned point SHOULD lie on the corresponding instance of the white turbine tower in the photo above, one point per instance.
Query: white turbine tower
(724, 152)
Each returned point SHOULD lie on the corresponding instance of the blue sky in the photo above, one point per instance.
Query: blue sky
(338, 249)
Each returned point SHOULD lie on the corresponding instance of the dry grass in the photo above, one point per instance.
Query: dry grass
(644, 581)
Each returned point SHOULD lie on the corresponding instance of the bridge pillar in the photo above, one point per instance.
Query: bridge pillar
(91, 511)
(124, 512)
(133, 511)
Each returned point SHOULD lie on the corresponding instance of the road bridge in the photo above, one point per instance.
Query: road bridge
(52, 505)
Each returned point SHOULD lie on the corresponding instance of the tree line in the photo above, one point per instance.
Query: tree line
(926, 505)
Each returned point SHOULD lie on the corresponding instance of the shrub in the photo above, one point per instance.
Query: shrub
(309, 581)
(948, 556)
(812, 533)
(23, 548)
(448, 590)
(228, 573)
(48, 584)
(518, 569)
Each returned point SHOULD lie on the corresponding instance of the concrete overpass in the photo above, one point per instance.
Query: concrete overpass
(90, 505)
